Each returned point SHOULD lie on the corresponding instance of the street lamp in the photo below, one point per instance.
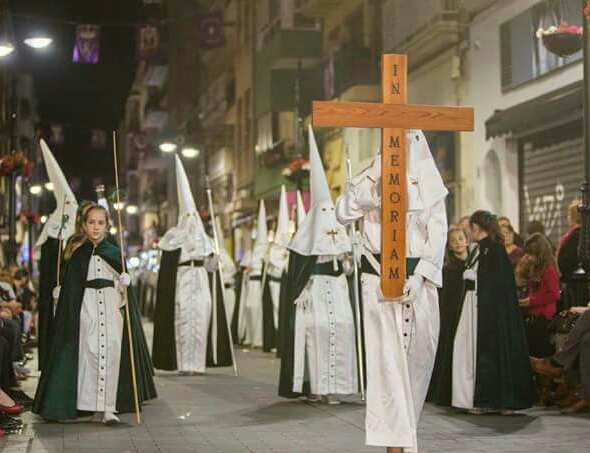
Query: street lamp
(6, 48)
(38, 42)
(168, 146)
(36, 189)
(190, 152)
(132, 209)
(49, 186)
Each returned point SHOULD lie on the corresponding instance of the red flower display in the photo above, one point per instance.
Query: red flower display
(16, 164)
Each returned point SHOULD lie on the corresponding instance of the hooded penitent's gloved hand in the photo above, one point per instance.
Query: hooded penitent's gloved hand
(413, 287)
(124, 281)
(469, 274)
(56, 291)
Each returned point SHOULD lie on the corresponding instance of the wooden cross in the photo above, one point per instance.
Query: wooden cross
(393, 116)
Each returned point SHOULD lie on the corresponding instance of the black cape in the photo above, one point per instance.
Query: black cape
(56, 396)
(450, 301)
(574, 292)
(300, 270)
(240, 275)
(47, 282)
(164, 345)
(504, 377)
(282, 311)
(268, 325)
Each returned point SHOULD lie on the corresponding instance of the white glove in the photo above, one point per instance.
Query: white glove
(56, 292)
(124, 281)
(413, 287)
(357, 246)
(469, 274)
(212, 263)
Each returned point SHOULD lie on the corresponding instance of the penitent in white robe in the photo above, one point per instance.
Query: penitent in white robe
(229, 278)
(101, 334)
(400, 338)
(192, 314)
(253, 310)
(325, 336)
(274, 285)
(465, 348)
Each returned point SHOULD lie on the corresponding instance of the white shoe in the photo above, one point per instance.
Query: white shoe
(110, 419)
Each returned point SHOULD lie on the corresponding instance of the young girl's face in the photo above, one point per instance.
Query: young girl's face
(458, 242)
(95, 226)
(508, 236)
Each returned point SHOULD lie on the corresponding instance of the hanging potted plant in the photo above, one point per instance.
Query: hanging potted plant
(16, 164)
(296, 171)
(562, 40)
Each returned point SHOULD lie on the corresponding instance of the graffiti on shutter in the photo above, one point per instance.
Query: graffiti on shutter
(546, 208)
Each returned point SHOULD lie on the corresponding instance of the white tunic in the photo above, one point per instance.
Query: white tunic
(192, 314)
(400, 338)
(101, 333)
(274, 285)
(325, 336)
(229, 277)
(253, 310)
(465, 349)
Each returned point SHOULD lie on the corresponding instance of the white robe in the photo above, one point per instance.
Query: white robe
(400, 338)
(192, 314)
(253, 310)
(101, 334)
(229, 277)
(325, 336)
(275, 293)
(465, 351)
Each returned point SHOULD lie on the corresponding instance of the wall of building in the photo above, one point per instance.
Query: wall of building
(486, 96)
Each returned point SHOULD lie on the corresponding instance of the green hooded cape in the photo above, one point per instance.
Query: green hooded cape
(56, 397)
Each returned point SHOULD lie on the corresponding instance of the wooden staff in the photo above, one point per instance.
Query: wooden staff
(356, 292)
(60, 240)
(125, 300)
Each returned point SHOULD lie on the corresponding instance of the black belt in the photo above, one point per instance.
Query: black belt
(195, 263)
(272, 278)
(228, 285)
(469, 285)
(367, 268)
(255, 278)
(327, 269)
(99, 283)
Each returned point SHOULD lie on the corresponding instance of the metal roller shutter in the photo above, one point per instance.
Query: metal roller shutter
(550, 180)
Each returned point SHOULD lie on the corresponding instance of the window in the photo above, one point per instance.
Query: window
(523, 56)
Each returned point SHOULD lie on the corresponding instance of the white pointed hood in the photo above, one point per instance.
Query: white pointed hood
(260, 244)
(278, 248)
(300, 209)
(320, 233)
(189, 232)
(425, 184)
(65, 200)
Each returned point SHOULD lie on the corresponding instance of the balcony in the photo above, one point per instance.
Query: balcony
(353, 66)
(442, 32)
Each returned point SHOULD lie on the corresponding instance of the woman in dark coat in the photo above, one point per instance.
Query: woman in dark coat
(491, 368)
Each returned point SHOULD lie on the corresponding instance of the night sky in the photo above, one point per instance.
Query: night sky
(80, 96)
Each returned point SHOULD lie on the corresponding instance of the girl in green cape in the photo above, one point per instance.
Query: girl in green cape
(88, 368)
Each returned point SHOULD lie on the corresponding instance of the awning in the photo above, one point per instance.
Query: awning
(549, 110)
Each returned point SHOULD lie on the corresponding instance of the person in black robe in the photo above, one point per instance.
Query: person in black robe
(47, 281)
(450, 297)
(269, 333)
(503, 374)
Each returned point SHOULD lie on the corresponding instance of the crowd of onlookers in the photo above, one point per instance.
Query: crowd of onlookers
(18, 320)
(553, 300)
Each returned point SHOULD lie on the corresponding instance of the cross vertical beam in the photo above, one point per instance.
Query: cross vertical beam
(393, 188)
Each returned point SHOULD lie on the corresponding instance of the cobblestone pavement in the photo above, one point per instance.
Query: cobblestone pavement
(222, 413)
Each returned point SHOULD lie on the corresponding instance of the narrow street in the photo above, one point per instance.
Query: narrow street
(226, 414)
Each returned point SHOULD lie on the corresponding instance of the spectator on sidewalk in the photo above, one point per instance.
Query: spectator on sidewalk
(573, 358)
(538, 272)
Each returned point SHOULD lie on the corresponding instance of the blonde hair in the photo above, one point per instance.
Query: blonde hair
(574, 213)
(79, 236)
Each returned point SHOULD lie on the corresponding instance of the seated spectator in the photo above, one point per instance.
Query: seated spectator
(513, 251)
(538, 270)
(503, 221)
(574, 292)
(26, 297)
(573, 358)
